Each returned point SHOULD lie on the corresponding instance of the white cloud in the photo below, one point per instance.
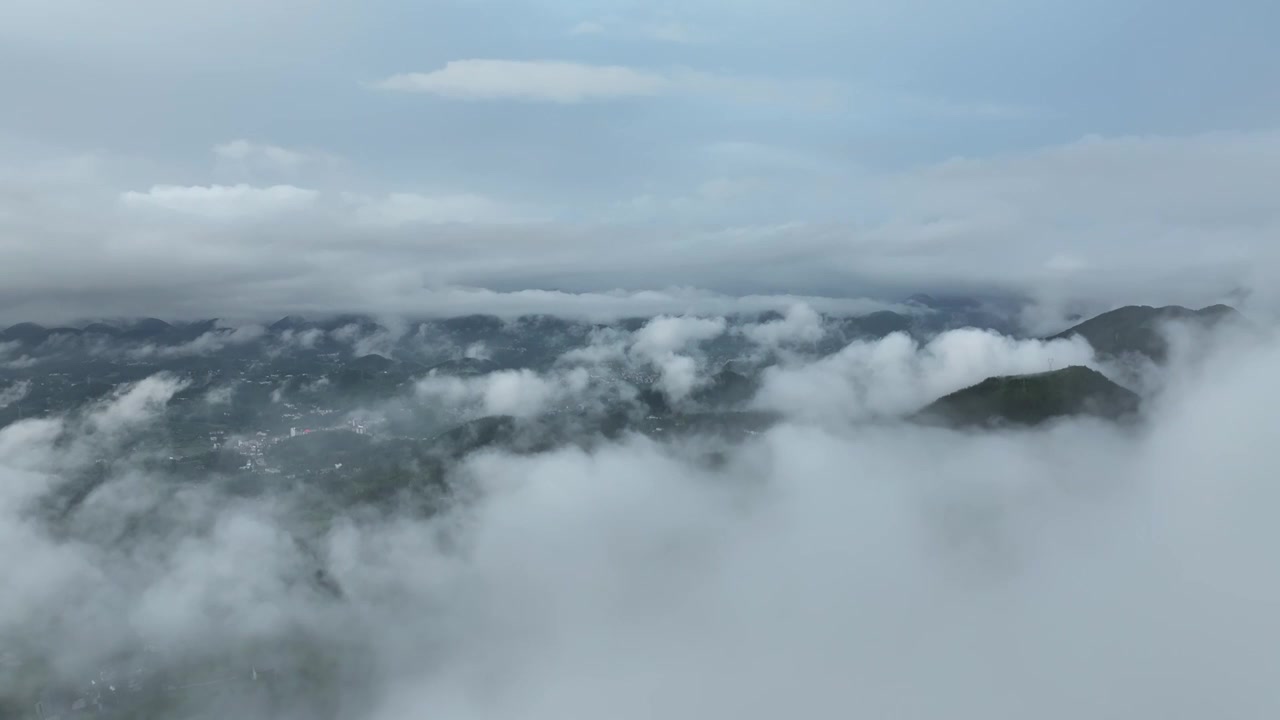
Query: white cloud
(570, 82)
(222, 202)
(801, 324)
(517, 393)
(1060, 573)
(895, 375)
(379, 341)
(220, 395)
(607, 345)
(521, 393)
(14, 393)
(20, 363)
(27, 445)
(667, 334)
(208, 343)
(1071, 571)
(249, 202)
(678, 375)
(540, 80)
(301, 338)
(272, 155)
(215, 340)
(135, 404)
(667, 343)
(401, 208)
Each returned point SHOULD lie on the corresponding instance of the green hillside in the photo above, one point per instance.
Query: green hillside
(1033, 399)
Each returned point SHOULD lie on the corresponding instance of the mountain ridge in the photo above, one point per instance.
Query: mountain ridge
(1141, 329)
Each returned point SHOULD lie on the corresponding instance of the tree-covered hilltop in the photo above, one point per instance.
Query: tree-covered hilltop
(1033, 399)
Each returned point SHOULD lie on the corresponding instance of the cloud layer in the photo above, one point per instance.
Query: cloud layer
(608, 147)
(678, 162)
(1170, 219)
(835, 568)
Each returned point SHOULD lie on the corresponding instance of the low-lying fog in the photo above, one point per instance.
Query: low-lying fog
(843, 564)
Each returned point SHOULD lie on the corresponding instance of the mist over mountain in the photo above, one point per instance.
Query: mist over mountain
(537, 516)
(1142, 330)
(563, 360)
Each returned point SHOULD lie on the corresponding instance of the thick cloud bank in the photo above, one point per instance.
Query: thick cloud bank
(829, 567)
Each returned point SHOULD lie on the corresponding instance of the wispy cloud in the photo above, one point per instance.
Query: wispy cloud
(221, 202)
(245, 151)
(571, 82)
(403, 208)
(535, 80)
(264, 158)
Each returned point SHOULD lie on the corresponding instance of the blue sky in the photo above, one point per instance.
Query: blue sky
(163, 153)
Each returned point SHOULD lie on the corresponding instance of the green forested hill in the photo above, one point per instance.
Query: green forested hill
(1033, 399)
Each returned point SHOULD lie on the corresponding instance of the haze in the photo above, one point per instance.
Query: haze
(587, 359)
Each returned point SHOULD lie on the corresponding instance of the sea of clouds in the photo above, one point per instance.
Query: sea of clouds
(843, 564)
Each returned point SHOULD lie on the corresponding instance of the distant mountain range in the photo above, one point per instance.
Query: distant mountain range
(354, 358)
(925, 315)
(1141, 330)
